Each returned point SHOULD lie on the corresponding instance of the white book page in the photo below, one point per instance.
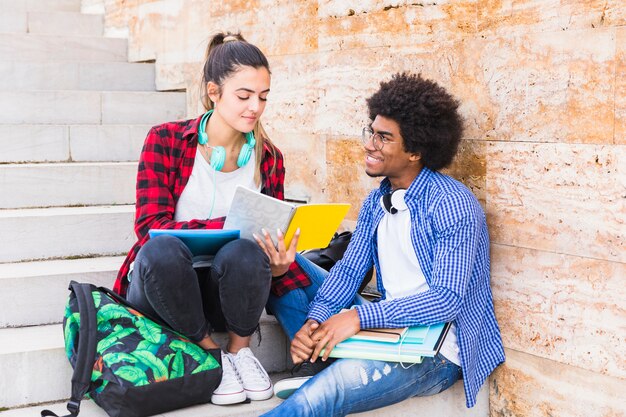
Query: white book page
(252, 211)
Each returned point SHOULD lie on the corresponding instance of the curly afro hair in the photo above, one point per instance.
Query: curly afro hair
(427, 115)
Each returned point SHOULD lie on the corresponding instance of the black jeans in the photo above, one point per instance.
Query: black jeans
(228, 295)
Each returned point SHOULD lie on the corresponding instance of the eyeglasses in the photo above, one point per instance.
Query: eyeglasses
(377, 139)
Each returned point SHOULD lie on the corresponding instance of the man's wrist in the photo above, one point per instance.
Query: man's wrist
(319, 313)
(355, 316)
(370, 315)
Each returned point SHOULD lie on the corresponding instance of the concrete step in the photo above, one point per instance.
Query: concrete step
(89, 107)
(34, 143)
(67, 184)
(13, 21)
(35, 368)
(57, 48)
(34, 293)
(79, 143)
(107, 142)
(52, 23)
(142, 107)
(450, 403)
(90, 409)
(40, 5)
(50, 107)
(93, 76)
(65, 23)
(36, 234)
(31, 358)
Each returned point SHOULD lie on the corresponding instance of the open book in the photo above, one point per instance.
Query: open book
(252, 211)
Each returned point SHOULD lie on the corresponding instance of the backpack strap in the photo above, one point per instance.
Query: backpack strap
(86, 355)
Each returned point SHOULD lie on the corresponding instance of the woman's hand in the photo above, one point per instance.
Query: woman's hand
(280, 258)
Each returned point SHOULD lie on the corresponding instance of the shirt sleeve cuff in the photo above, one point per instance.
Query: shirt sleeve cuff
(370, 315)
(319, 313)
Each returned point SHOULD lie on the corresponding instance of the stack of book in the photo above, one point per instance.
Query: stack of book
(405, 345)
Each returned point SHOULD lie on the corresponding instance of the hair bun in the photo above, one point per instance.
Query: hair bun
(230, 38)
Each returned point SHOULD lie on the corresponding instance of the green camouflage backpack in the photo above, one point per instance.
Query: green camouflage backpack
(129, 364)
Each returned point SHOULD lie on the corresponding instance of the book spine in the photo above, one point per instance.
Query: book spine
(289, 219)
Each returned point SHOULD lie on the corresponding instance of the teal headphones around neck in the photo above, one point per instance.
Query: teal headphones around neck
(218, 154)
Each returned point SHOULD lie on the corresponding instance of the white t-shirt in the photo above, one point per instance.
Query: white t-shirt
(401, 272)
(204, 183)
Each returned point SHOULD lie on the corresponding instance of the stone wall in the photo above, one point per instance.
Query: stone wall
(543, 87)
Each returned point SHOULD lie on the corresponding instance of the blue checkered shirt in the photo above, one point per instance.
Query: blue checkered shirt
(449, 235)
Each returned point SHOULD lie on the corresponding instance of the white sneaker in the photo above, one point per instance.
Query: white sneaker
(285, 387)
(256, 383)
(230, 390)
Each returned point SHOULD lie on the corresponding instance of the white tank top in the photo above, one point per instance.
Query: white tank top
(197, 197)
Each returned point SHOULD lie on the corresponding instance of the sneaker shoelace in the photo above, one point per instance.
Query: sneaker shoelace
(228, 369)
(296, 368)
(250, 368)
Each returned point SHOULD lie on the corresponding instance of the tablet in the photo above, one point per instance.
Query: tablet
(199, 241)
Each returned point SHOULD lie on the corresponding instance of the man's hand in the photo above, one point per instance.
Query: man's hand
(302, 345)
(334, 330)
(280, 257)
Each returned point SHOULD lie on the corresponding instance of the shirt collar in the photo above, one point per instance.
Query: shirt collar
(415, 189)
(192, 127)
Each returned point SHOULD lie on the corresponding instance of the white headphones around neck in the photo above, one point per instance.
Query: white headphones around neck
(393, 202)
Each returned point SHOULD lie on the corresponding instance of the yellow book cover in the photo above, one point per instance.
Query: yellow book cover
(317, 222)
(251, 211)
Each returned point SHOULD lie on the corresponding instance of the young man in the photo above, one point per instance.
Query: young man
(426, 235)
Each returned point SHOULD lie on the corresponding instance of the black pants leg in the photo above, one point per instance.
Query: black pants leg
(241, 273)
(229, 295)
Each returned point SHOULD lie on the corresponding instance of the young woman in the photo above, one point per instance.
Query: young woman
(188, 171)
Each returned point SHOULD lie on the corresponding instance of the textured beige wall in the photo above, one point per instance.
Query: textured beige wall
(543, 87)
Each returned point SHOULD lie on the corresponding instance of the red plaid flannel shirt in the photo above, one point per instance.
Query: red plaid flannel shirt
(165, 166)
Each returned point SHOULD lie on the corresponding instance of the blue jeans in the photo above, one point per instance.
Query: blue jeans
(292, 308)
(352, 385)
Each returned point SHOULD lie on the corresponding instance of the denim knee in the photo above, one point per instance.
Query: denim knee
(290, 310)
(316, 274)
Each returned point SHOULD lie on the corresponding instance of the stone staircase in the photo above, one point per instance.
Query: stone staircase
(73, 116)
